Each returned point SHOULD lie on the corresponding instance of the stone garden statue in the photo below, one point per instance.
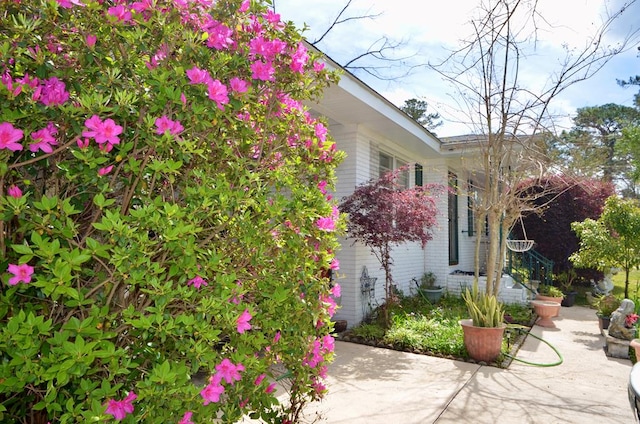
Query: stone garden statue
(622, 321)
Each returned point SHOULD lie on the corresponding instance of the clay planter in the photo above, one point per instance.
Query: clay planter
(558, 300)
(545, 311)
(483, 343)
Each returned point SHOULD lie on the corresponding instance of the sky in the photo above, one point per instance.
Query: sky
(428, 30)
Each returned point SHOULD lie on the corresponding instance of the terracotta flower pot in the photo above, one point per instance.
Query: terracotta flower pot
(558, 300)
(545, 311)
(482, 343)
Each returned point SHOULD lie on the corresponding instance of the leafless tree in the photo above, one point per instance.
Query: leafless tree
(380, 59)
(508, 118)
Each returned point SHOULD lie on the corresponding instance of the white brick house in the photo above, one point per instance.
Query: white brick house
(377, 136)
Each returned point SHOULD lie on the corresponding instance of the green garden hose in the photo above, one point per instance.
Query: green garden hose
(552, 364)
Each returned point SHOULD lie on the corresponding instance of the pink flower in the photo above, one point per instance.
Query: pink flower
(120, 408)
(299, 59)
(212, 392)
(198, 76)
(197, 282)
(104, 171)
(110, 132)
(322, 186)
(328, 223)
(336, 290)
(259, 379)
(238, 85)
(321, 131)
(21, 273)
(186, 418)
(14, 191)
(120, 12)
(183, 99)
(44, 139)
(53, 92)
(68, 4)
(218, 93)
(630, 320)
(164, 124)
(262, 71)
(276, 338)
(335, 264)
(94, 124)
(242, 323)
(270, 388)
(83, 144)
(219, 35)
(91, 40)
(102, 132)
(9, 137)
(228, 371)
(244, 6)
(318, 66)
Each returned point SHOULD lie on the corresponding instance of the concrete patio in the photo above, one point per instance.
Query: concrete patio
(372, 385)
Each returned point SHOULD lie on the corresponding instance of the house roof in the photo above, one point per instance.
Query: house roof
(352, 101)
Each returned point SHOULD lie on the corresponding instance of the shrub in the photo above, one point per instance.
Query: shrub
(165, 216)
(566, 201)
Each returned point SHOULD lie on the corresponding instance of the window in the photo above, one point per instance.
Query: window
(453, 219)
(387, 162)
(418, 174)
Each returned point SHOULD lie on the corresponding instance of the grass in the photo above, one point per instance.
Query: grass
(419, 326)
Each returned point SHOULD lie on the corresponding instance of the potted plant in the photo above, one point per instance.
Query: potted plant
(565, 280)
(549, 293)
(484, 331)
(605, 306)
(428, 289)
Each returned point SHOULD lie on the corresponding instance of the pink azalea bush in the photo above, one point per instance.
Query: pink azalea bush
(166, 224)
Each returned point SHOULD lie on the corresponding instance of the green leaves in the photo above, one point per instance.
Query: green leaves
(118, 226)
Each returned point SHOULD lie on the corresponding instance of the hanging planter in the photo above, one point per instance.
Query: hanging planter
(520, 245)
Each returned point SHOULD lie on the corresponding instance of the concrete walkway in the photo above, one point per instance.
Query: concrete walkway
(372, 385)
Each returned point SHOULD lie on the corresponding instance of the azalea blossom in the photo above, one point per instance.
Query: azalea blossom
(102, 132)
(630, 320)
(186, 418)
(14, 191)
(262, 71)
(328, 223)
(164, 124)
(212, 391)
(90, 40)
(270, 388)
(334, 264)
(120, 12)
(228, 371)
(198, 76)
(242, 323)
(68, 4)
(104, 171)
(44, 139)
(336, 290)
(120, 408)
(21, 273)
(238, 85)
(218, 93)
(53, 92)
(9, 137)
(259, 379)
(299, 59)
(197, 282)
